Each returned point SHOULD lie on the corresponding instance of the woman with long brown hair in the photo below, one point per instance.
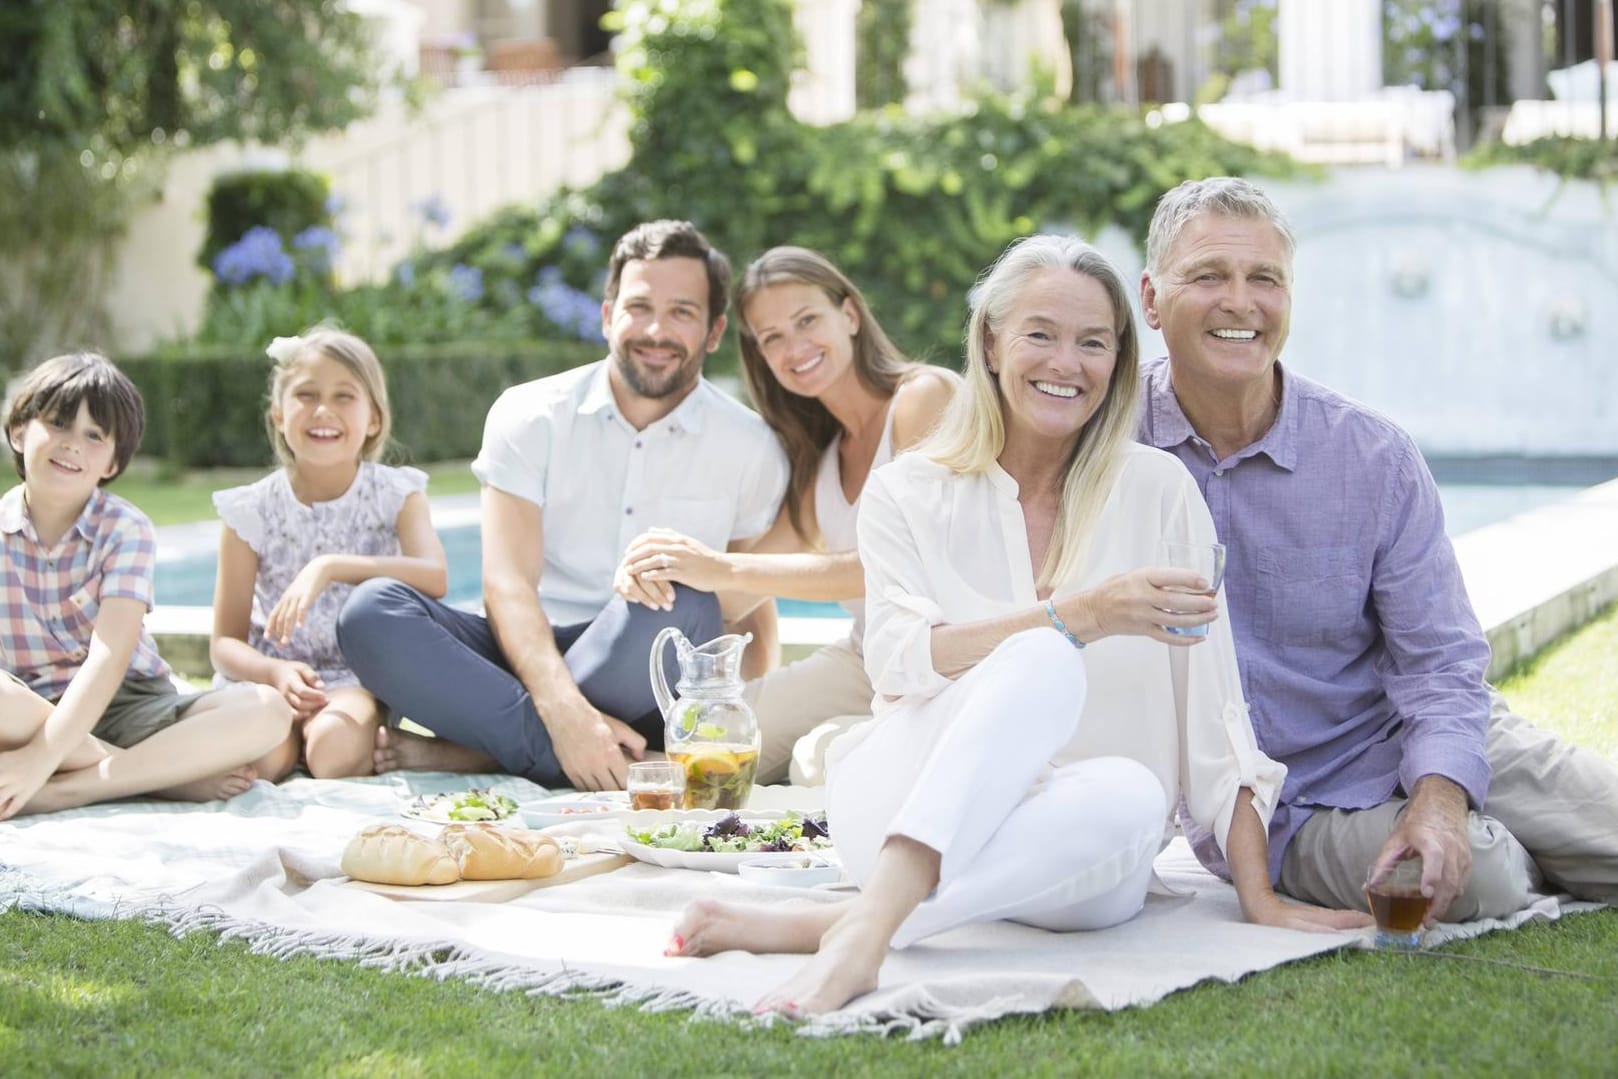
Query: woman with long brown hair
(843, 400)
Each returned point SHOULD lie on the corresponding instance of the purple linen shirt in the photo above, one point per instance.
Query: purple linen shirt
(1361, 658)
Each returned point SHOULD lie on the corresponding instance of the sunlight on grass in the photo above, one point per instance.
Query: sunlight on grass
(1571, 687)
(383, 1062)
(65, 992)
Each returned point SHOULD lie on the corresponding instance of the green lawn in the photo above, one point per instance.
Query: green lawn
(110, 999)
(168, 499)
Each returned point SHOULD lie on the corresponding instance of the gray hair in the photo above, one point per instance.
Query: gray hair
(1226, 196)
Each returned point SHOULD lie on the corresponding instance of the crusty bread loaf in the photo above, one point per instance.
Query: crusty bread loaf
(391, 854)
(484, 852)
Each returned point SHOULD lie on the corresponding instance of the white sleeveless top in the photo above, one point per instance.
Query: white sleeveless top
(837, 515)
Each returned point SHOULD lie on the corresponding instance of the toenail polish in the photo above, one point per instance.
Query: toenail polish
(676, 945)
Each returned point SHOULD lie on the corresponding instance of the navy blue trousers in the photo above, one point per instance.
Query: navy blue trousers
(441, 667)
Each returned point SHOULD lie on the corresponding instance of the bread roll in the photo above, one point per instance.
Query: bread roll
(390, 854)
(485, 852)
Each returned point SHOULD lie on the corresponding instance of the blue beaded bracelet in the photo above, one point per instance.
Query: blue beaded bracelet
(1061, 626)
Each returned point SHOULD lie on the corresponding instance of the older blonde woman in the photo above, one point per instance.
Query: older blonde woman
(1012, 772)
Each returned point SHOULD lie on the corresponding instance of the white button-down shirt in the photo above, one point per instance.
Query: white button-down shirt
(711, 469)
(942, 548)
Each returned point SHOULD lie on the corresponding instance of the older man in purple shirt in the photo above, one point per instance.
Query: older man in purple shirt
(1361, 658)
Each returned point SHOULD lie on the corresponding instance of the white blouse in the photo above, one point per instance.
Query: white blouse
(943, 548)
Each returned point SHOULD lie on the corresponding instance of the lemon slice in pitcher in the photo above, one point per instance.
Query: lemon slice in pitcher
(706, 764)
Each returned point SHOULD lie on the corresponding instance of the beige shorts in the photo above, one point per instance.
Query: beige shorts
(139, 708)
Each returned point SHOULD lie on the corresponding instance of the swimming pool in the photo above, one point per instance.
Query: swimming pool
(186, 579)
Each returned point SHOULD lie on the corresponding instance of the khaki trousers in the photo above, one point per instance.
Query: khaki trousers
(1550, 823)
(801, 707)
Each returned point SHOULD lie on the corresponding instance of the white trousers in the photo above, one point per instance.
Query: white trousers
(969, 774)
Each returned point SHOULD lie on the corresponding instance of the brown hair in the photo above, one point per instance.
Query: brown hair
(803, 424)
(671, 240)
(350, 351)
(53, 391)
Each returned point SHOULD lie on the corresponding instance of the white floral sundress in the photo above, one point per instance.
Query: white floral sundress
(287, 535)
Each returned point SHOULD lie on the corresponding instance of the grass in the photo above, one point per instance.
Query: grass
(1572, 686)
(117, 998)
(168, 499)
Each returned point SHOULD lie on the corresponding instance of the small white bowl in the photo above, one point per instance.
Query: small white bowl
(790, 870)
(566, 810)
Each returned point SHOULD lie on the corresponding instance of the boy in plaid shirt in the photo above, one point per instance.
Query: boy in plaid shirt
(87, 708)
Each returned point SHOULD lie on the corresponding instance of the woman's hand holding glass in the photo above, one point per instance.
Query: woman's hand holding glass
(1151, 602)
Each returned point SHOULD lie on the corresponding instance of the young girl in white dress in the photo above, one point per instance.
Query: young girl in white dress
(1012, 772)
(843, 400)
(297, 541)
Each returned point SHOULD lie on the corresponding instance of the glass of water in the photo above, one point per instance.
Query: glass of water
(1207, 560)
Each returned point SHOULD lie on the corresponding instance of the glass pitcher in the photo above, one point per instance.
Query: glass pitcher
(709, 730)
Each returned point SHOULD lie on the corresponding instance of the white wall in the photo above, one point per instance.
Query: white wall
(476, 149)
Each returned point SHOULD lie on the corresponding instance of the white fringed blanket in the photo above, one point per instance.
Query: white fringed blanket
(263, 868)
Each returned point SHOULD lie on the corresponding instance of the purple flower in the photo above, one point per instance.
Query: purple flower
(434, 211)
(581, 243)
(405, 273)
(258, 253)
(466, 282)
(320, 240)
(569, 309)
(336, 205)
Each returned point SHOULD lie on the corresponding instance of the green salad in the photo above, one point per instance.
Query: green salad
(732, 835)
(477, 804)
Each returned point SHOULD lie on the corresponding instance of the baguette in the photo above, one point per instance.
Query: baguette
(487, 853)
(391, 854)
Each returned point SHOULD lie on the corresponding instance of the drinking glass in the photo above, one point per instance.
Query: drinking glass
(1397, 904)
(1206, 560)
(656, 785)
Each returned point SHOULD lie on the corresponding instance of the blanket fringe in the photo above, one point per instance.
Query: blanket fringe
(439, 959)
(918, 1016)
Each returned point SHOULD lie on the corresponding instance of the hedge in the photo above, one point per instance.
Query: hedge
(206, 410)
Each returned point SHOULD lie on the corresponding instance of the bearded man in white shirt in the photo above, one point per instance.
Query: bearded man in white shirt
(553, 683)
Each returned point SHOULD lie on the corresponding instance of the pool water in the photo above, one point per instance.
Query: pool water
(188, 582)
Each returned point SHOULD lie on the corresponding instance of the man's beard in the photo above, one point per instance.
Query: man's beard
(677, 379)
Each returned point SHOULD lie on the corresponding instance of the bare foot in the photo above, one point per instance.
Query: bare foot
(212, 788)
(845, 967)
(401, 751)
(708, 927)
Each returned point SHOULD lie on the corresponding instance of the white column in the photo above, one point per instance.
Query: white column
(823, 89)
(944, 53)
(1331, 50)
(1022, 38)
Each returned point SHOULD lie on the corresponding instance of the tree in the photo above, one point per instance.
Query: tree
(94, 94)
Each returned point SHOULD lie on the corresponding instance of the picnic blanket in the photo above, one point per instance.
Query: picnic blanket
(263, 868)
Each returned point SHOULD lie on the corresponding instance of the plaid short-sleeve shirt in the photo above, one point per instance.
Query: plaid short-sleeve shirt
(49, 599)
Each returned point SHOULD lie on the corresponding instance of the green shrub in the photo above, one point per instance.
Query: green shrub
(1570, 158)
(912, 208)
(287, 201)
(206, 409)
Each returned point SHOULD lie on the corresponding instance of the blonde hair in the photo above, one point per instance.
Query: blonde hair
(803, 424)
(972, 433)
(350, 351)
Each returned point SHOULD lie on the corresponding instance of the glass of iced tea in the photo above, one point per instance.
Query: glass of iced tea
(656, 785)
(1397, 904)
